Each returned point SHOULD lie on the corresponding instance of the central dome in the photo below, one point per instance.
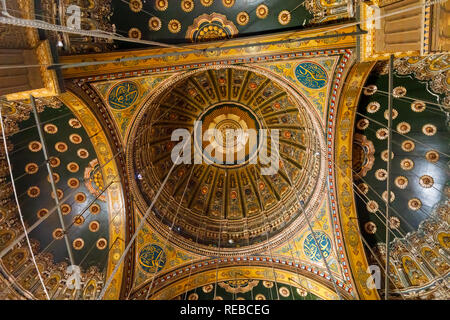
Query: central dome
(214, 200)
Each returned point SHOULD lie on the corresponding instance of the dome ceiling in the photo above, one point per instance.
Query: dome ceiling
(233, 199)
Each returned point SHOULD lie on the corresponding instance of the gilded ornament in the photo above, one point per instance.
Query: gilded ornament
(407, 164)
(80, 197)
(372, 206)
(50, 128)
(187, 5)
(242, 18)
(78, 220)
(162, 5)
(370, 227)
(429, 130)
(418, 106)
(34, 192)
(42, 213)
(384, 155)
(74, 123)
(56, 177)
(54, 162)
(174, 26)
(101, 243)
(78, 244)
(94, 226)
(394, 114)
(284, 292)
(401, 182)
(31, 168)
(136, 5)
(73, 183)
(154, 23)
(59, 192)
(432, 156)
(363, 188)
(206, 3)
(370, 90)
(426, 181)
(403, 127)
(73, 167)
(284, 17)
(381, 174)
(399, 92)
(61, 147)
(95, 209)
(134, 33)
(382, 134)
(408, 145)
(228, 3)
(373, 107)
(66, 209)
(384, 196)
(363, 124)
(75, 138)
(83, 153)
(262, 11)
(394, 223)
(58, 234)
(260, 296)
(35, 146)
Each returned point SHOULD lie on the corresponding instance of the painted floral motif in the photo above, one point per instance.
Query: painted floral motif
(154, 23)
(162, 5)
(187, 5)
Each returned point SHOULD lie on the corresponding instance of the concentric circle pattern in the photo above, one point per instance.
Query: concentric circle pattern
(219, 199)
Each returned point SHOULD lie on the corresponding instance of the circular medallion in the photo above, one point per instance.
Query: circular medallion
(94, 226)
(260, 296)
(372, 206)
(193, 296)
(370, 227)
(407, 164)
(73, 183)
(415, 204)
(268, 284)
(74, 123)
(56, 177)
(101, 243)
(363, 188)
(228, 3)
(123, 95)
(33, 192)
(187, 5)
(59, 192)
(284, 292)
(401, 182)
(408, 145)
(31, 168)
(208, 288)
(61, 147)
(54, 162)
(83, 153)
(206, 3)
(218, 298)
(384, 196)
(370, 90)
(429, 130)
(73, 167)
(394, 114)
(394, 223)
(152, 258)
(95, 208)
(35, 146)
(262, 11)
(384, 155)
(399, 92)
(66, 209)
(284, 17)
(154, 23)
(78, 244)
(75, 138)
(242, 18)
(403, 127)
(174, 26)
(315, 251)
(50, 128)
(58, 234)
(302, 292)
(136, 5)
(381, 174)
(382, 134)
(362, 124)
(42, 213)
(418, 106)
(432, 156)
(78, 220)
(161, 5)
(373, 107)
(426, 181)
(311, 75)
(134, 33)
(80, 197)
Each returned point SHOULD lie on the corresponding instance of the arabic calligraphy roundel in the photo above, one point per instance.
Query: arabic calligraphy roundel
(123, 95)
(152, 258)
(311, 75)
(311, 249)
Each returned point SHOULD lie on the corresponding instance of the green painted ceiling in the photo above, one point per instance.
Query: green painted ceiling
(244, 289)
(125, 19)
(89, 255)
(429, 197)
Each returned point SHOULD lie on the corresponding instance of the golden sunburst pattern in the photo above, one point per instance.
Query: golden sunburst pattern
(228, 3)
(284, 17)
(162, 5)
(242, 18)
(154, 23)
(206, 3)
(262, 11)
(136, 5)
(134, 33)
(174, 26)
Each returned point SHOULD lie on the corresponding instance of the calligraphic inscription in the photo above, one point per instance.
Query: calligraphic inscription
(152, 258)
(312, 251)
(311, 75)
(123, 95)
